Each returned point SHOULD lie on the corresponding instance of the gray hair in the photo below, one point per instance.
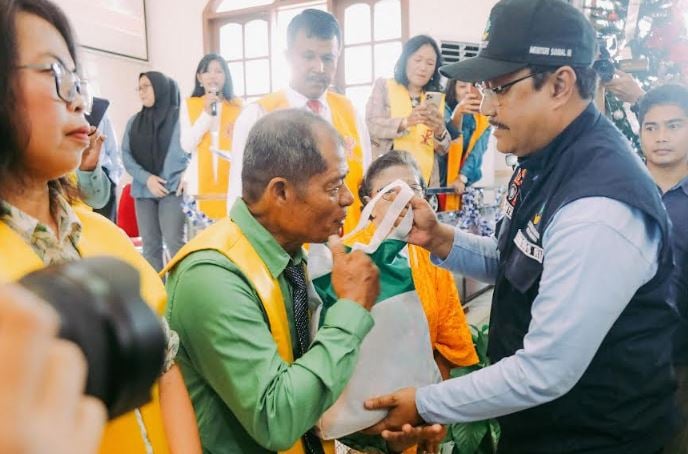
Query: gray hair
(283, 144)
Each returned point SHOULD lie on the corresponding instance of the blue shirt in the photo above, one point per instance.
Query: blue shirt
(96, 185)
(471, 168)
(598, 253)
(176, 162)
(110, 157)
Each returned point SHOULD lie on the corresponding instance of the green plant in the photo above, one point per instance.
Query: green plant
(478, 437)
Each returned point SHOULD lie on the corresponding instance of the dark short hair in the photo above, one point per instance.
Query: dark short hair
(227, 89)
(450, 93)
(283, 144)
(668, 94)
(394, 158)
(14, 127)
(586, 78)
(316, 23)
(410, 48)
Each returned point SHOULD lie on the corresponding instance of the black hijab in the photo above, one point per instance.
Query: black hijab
(151, 131)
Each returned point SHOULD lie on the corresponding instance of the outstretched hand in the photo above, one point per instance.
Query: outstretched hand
(402, 410)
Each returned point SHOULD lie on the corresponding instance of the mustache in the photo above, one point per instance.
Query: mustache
(497, 124)
(318, 79)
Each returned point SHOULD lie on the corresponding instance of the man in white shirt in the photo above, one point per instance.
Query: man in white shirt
(313, 48)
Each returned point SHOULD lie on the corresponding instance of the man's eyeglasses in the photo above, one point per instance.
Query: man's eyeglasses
(392, 193)
(68, 84)
(494, 91)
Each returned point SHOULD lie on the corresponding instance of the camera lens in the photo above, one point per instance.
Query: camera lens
(101, 310)
(605, 69)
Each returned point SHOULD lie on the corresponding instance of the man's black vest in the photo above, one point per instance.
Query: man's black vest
(624, 402)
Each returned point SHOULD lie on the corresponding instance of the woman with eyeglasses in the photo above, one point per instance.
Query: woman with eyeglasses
(153, 156)
(406, 111)
(43, 133)
(207, 121)
(451, 339)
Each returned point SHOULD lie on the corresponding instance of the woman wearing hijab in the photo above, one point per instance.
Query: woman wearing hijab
(153, 156)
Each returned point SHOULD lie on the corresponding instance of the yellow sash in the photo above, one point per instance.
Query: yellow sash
(419, 140)
(457, 157)
(208, 184)
(100, 237)
(227, 238)
(344, 121)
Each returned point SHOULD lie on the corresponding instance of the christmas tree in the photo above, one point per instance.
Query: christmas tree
(646, 38)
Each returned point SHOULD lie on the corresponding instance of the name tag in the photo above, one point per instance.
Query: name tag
(533, 251)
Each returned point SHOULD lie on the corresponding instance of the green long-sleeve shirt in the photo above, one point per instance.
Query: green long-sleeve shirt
(246, 398)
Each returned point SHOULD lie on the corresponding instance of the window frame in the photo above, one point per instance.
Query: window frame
(340, 9)
(213, 21)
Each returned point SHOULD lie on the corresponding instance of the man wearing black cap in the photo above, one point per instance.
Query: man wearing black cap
(581, 326)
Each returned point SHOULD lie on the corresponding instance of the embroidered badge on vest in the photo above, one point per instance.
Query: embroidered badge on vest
(530, 249)
(512, 196)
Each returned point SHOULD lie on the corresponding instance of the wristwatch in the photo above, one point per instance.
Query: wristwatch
(463, 178)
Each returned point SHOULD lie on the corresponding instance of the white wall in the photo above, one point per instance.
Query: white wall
(456, 20)
(175, 44)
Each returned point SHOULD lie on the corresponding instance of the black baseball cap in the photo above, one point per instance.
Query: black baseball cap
(528, 32)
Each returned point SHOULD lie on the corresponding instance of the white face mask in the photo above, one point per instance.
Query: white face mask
(386, 227)
(401, 232)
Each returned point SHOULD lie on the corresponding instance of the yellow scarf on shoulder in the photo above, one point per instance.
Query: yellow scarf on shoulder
(100, 237)
(227, 238)
(457, 157)
(213, 172)
(419, 140)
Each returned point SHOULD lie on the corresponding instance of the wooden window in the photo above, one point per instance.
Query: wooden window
(251, 36)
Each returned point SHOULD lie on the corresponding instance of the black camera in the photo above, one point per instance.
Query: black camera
(604, 66)
(101, 310)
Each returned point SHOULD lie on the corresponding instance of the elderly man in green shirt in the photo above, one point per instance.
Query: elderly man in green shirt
(238, 298)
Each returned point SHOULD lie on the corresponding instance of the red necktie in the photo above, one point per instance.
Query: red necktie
(314, 105)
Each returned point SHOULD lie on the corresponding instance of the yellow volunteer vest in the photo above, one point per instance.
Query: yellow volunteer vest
(227, 238)
(457, 157)
(100, 237)
(208, 184)
(419, 141)
(344, 121)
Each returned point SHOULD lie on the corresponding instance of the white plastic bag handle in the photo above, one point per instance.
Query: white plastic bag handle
(387, 225)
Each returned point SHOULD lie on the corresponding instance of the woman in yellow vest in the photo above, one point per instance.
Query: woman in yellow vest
(469, 132)
(43, 133)
(207, 120)
(402, 116)
(449, 333)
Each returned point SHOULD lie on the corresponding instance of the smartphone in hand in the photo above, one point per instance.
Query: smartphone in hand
(100, 105)
(434, 98)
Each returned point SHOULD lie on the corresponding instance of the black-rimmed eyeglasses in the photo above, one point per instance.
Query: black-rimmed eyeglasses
(68, 84)
(493, 91)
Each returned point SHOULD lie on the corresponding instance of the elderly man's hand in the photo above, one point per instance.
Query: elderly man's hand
(428, 438)
(354, 276)
(402, 410)
(42, 405)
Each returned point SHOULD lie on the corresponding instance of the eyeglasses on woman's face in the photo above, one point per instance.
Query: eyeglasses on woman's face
(68, 84)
